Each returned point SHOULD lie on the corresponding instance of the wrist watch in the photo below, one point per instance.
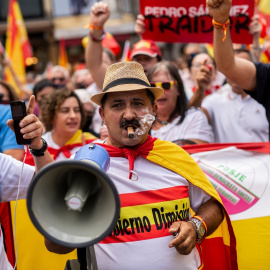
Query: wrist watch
(39, 152)
(200, 229)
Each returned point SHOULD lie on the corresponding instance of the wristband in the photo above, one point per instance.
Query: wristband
(97, 39)
(91, 26)
(223, 26)
(39, 152)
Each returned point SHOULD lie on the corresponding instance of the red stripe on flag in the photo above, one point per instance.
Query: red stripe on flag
(257, 147)
(153, 196)
(6, 223)
(216, 254)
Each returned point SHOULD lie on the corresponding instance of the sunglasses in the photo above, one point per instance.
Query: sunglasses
(164, 85)
(60, 79)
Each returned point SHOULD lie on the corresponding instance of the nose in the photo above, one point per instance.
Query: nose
(129, 113)
(72, 113)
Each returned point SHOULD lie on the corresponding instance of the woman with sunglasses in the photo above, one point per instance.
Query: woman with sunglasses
(174, 121)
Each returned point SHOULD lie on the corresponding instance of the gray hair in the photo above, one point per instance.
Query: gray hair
(62, 69)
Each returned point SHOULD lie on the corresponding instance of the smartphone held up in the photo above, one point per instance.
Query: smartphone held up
(18, 110)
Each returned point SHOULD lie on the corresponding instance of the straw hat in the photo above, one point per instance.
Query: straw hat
(125, 76)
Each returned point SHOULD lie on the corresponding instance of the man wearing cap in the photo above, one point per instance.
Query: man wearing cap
(146, 52)
(157, 182)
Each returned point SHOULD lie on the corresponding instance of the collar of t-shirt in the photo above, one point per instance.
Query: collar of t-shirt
(131, 153)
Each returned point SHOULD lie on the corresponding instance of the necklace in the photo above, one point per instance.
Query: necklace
(162, 122)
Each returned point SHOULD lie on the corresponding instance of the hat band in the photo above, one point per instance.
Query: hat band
(125, 81)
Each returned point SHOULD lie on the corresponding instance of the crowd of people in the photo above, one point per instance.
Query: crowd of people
(203, 100)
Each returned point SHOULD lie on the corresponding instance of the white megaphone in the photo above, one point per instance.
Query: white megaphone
(73, 202)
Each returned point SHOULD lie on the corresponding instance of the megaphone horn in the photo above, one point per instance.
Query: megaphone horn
(73, 202)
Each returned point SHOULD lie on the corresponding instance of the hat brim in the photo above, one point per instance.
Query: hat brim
(143, 53)
(157, 92)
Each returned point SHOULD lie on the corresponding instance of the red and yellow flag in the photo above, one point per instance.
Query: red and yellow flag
(18, 47)
(218, 249)
(63, 58)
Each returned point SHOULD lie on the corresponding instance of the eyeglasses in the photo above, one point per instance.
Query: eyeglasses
(60, 79)
(164, 85)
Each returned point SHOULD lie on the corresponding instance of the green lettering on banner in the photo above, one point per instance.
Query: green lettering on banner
(244, 196)
(227, 195)
(232, 173)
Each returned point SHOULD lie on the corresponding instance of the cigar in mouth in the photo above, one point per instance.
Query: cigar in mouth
(130, 132)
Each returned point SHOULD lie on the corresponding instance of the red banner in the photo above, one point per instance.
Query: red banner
(189, 21)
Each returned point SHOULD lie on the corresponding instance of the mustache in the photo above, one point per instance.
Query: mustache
(133, 122)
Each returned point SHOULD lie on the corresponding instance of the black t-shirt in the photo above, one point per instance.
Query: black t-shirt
(262, 92)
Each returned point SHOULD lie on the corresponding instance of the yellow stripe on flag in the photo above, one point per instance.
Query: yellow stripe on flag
(264, 6)
(32, 253)
(252, 238)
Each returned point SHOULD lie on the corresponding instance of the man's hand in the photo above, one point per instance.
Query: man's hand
(140, 25)
(185, 241)
(219, 9)
(255, 27)
(31, 127)
(100, 13)
(204, 77)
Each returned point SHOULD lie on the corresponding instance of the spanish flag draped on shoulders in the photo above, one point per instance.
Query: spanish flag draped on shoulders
(218, 249)
(32, 253)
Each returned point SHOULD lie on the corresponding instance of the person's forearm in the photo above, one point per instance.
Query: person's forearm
(42, 161)
(256, 49)
(93, 57)
(212, 213)
(196, 99)
(223, 51)
(240, 71)
(15, 153)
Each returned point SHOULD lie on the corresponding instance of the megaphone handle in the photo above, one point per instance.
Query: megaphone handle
(91, 258)
(81, 254)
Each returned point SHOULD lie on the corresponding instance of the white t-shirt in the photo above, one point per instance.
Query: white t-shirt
(10, 170)
(235, 119)
(156, 192)
(48, 138)
(194, 126)
(97, 121)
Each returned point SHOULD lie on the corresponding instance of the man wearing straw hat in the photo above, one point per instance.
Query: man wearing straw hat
(158, 183)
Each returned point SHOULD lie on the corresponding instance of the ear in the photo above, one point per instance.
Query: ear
(101, 113)
(155, 107)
